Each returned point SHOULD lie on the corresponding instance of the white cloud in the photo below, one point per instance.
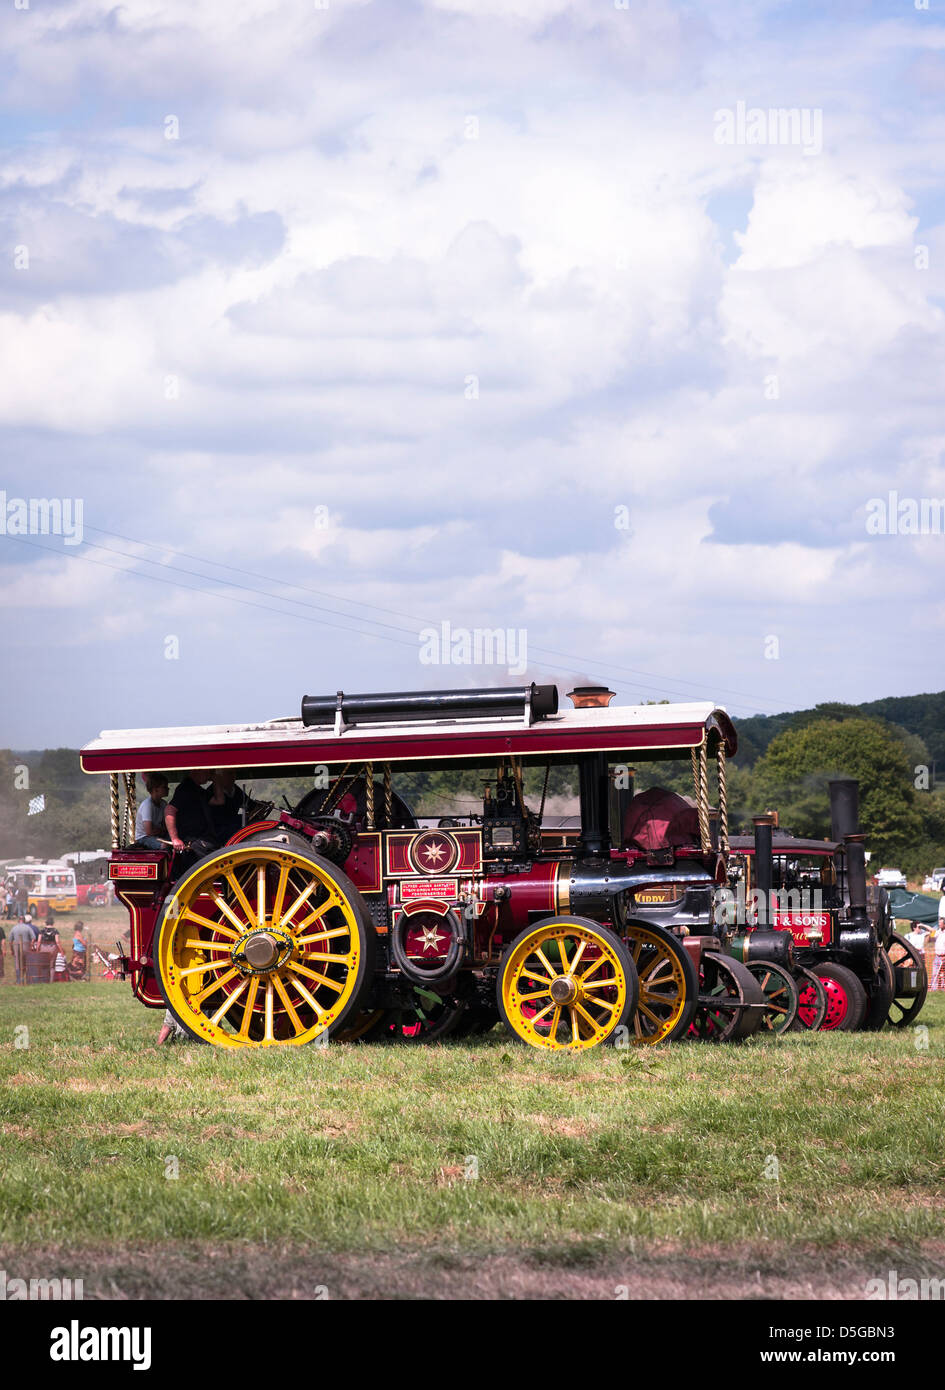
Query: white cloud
(564, 257)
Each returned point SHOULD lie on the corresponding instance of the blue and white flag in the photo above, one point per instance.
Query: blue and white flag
(37, 804)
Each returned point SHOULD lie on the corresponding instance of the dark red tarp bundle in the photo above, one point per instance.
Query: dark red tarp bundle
(659, 819)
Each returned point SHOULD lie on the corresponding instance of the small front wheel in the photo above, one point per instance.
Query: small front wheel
(880, 996)
(811, 1001)
(568, 983)
(669, 985)
(780, 992)
(730, 1001)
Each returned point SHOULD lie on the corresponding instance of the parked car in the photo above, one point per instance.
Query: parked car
(891, 878)
(934, 881)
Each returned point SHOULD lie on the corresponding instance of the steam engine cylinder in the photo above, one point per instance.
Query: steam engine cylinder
(776, 946)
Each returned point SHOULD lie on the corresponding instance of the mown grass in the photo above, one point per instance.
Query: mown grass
(366, 1147)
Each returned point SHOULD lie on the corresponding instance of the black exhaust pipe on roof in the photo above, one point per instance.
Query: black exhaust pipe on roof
(499, 701)
(764, 865)
(855, 857)
(844, 808)
(845, 828)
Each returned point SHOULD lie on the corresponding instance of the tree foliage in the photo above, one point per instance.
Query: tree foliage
(794, 772)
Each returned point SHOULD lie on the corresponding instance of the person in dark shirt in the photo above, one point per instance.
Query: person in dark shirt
(49, 948)
(186, 817)
(224, 802)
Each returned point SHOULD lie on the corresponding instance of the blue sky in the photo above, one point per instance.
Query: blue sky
(460, 312)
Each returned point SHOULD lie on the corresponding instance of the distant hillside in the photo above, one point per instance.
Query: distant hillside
(922, 715)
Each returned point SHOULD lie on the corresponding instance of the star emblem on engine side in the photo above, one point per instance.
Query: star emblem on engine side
(431, 938)
(432, 852)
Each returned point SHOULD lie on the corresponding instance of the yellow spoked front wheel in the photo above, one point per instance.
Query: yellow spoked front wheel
(669, 987)
(263, 945)
(567, 983)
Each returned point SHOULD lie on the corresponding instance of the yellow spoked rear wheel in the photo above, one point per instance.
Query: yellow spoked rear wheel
(262, 946)
(567, 983)
(668, 985)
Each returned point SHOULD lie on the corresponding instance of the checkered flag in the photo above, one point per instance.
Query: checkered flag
(37, 804)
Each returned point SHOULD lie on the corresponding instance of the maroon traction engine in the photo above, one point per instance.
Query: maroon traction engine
(342, 916)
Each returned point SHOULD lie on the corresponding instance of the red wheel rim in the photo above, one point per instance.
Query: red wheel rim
(838, 1003)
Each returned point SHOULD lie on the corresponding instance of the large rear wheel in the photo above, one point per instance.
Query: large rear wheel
(263, 945)
(911, 982)
(567, 983)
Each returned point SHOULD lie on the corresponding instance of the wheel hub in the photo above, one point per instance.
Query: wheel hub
(261, 952)
(563, 990)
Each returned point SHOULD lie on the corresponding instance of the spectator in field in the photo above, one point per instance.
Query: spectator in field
(49, 948)
(49, 936)
(150, 831)
(938, 959)
(916, 937)
(22, 899)
(225, 801)
(8, 902)
(171, 1030)
(80, 946)
(21, 941)
(3, 951)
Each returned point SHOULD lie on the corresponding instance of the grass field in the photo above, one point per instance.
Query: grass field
(352, 1168)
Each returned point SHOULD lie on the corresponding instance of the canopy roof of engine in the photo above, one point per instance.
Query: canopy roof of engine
(281, 746)
(784, 844)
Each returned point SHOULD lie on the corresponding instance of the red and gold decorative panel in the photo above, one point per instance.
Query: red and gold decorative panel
(441, 889)
(441, 852)
(129, 870)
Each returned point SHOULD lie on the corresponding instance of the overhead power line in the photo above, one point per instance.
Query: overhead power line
(586, 662)
(582, 666)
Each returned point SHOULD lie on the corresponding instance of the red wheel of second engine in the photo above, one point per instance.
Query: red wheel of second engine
(846, 998)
